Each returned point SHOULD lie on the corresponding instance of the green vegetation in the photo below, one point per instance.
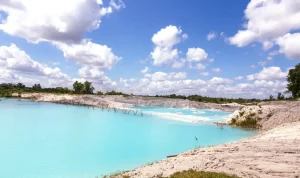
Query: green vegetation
(85, 88)
(7, 89)
(184, 174)
(280, 96)
(200, 98)
(116, 174)
(78, 87)
(99, 93)
(242, 113)
(249, 122)
(294, 81)
(114, 93)
(233, 121)
(199, 174)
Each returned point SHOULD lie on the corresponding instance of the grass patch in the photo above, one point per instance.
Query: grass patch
(199, 174)
(116, 174)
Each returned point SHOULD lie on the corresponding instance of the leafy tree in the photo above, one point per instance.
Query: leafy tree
(280, 96)
(36, 87)
(271, 97)
(88, 88)
(294, 81)
(78, 87)
(99, 93)
(114, 93)
(20, 85)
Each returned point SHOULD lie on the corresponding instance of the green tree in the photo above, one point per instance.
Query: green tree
(88, 88)
(294, 81)
(36, 87)
(271, 97)
(280, 96)
(99, 93)
(113, 93)
(78, 87)
(20, 85)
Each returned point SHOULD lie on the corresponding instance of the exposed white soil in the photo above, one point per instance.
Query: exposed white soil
(270, 114)
(126, 102)
(272, 154)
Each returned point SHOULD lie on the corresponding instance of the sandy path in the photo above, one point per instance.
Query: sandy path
(275, 153)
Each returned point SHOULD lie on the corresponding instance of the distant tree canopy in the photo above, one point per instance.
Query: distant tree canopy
(99, 93)
(6, 90)
(85, 88)
(36, 87)
(294, 81)
(78, 87)
(20, 85)
(88, 88)
(280, 96)
(200, 98)
(114, 93)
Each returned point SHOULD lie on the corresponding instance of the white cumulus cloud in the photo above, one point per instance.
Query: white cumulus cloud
(164, 53)
(290, 45)
(268, 22)
(89, 53)
(13, 58)
(268, 73)
(52, 20)
(196, 55)
(162, 76)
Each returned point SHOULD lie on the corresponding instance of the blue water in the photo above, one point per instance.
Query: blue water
(211, 114)
(44, 140)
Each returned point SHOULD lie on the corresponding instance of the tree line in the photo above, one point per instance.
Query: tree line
(293, 88)
(7, 89)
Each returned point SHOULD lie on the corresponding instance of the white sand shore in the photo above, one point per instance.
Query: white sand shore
(273, 154)
(124, 103)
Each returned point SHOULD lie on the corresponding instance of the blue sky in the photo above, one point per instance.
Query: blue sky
(111, 42)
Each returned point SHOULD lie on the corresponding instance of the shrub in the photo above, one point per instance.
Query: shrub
(242, 113)
(252, 114)
(99, 93)
(269, 115)
(116, 174)
(233, 121)
(249, 122)
(199, 174)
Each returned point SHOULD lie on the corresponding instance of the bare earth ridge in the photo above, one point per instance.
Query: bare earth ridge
(125, 101)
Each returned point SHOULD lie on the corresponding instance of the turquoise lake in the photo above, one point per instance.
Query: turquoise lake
(44, 140)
